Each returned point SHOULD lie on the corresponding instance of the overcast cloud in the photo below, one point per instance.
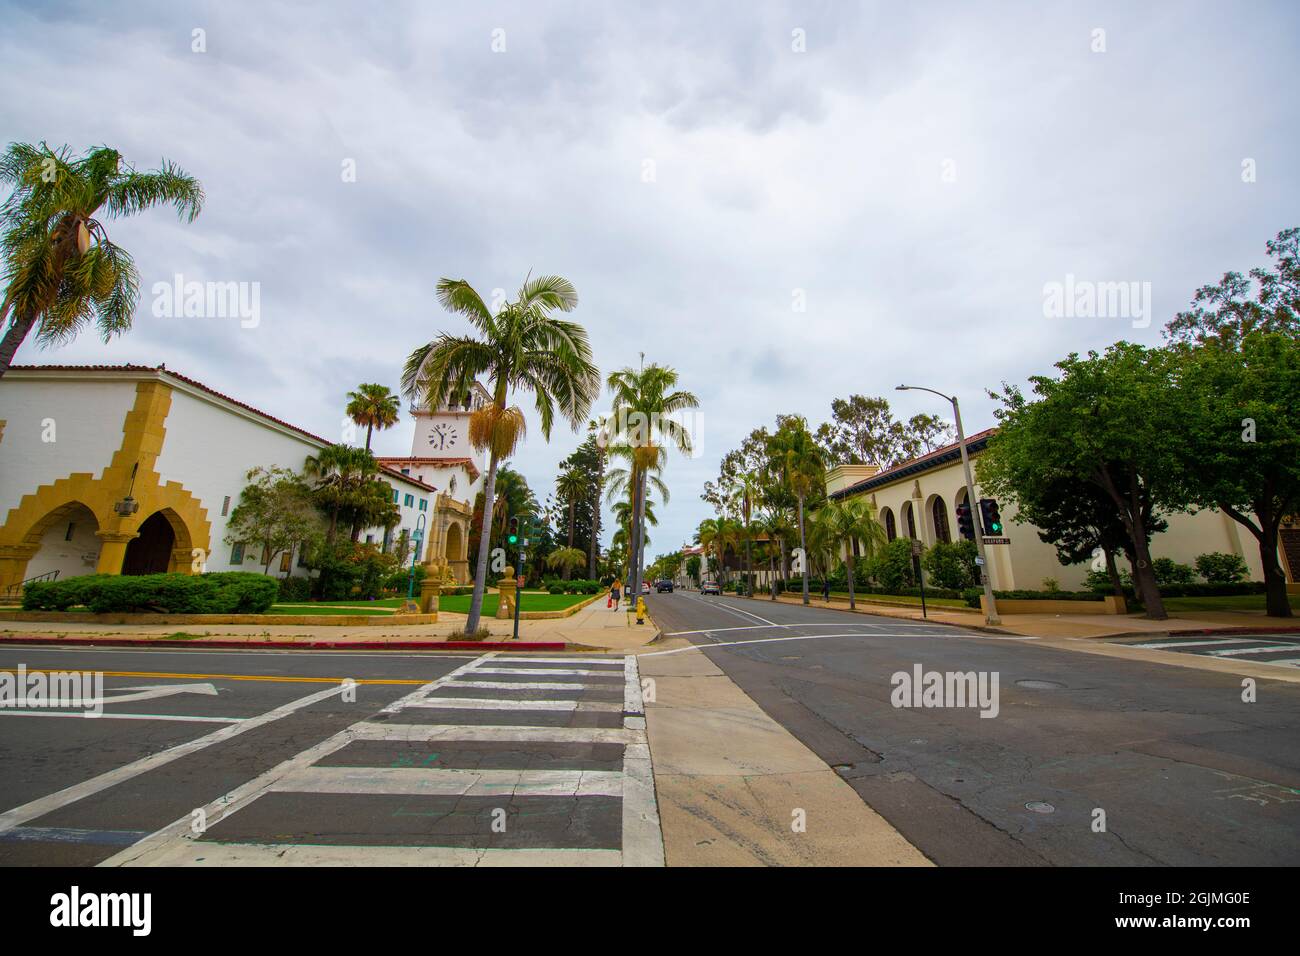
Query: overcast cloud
(776, 174)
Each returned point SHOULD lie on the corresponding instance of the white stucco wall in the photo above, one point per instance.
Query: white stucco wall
(87, 428)
(69, 557)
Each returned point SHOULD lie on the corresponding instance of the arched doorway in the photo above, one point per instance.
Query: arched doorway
(68, 545)
(891, 526)
(909, 519)
(939, 515)
(151, 551)
(454, 550)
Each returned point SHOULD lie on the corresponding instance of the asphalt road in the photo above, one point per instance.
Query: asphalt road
(431, 758)
(1184, 771)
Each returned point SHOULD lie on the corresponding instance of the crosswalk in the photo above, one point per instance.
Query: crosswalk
(506, 760)
(1280, 649)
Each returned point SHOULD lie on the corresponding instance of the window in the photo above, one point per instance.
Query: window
(406, 471)
(237, 554)
(891, 526)
(424, 504)
(394, 496)
(911, 521)
(286, 561)
(302, 557)
(941, 521)
(68, 534)
(225, 506)
(410, 500)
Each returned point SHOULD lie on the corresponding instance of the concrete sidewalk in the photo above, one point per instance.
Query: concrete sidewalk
(1064, 625)
(594, 626)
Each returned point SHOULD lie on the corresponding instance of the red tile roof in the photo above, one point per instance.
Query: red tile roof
(466, 463)
(913, 465)
(162, 370)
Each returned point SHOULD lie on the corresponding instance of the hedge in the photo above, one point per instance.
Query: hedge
(226, 592)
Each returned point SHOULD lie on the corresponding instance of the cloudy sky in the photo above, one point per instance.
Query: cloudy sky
(786, 202)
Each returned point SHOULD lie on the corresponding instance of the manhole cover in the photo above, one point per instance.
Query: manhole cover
(1039, 807)
(1040, 684)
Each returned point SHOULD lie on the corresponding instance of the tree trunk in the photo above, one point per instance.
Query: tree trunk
(634, 557)
(803, 546)
(369, 429)
(595, 537)
(849, 565)
(749, 565)
(14, 338)
(1113, 573)
(1130, 513)
(485, 538)
(771, 573)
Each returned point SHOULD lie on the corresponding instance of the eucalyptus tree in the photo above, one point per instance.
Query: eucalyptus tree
(523, 347)
(61, 271)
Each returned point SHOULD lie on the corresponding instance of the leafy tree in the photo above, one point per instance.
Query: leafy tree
(60, 269)
(1240, 439)
(348, 489)
(893, 570)
(522, 348)
(863, 430)
(373, 406)
(275, 511)
(1110, 420)
(1227, 312)
(952, 564)
(1220, 568)
(566, 560)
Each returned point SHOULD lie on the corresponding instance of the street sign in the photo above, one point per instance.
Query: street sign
(519, 581)
(997, 540)
(979, 561)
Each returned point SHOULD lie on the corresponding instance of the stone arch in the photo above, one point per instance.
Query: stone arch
(454, 546)
(27, 523)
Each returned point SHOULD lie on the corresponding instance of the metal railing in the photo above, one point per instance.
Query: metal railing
(16, 590)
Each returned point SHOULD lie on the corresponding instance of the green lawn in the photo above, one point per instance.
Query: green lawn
(532, 601)
(1229, 602)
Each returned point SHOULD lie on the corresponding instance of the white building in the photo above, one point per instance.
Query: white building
(77, 440)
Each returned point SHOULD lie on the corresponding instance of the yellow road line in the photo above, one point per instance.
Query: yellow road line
(280, 680)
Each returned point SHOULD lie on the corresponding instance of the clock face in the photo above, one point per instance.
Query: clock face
(442, 435)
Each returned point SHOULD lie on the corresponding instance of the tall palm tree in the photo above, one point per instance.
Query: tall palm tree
(572, 486)
(373, 406)
(60, 268)
(522, 348)
(644, 401)
(798, 462)
(340, 473)
(747, 494)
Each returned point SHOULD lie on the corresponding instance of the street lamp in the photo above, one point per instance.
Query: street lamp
(992, 616)
(418, 537)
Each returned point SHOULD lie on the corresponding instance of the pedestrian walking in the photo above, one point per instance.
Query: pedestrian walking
(826, 589)
(614, 596)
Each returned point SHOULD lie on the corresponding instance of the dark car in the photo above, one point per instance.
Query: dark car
(710, 587)
(665, 585)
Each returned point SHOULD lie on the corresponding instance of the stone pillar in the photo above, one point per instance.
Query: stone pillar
(113, 551)
(506, 594)
(13, 564)
(430, 590)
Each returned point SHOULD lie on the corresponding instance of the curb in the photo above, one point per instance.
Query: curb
(1200, 631)
(298, 645)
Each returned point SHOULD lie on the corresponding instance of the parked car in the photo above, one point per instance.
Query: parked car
(664, 585)
(710, 587)
(645, 587)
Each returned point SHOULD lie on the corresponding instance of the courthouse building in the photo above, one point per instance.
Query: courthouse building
(918, 498)
(76, 442)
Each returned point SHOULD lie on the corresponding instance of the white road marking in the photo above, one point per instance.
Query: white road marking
(1242, 651)
(764, 640)
(178, 831)
(733, 610)
(519, 685)
(490, 732)
(181, 718)
(492, 703)
(1206, 643)
(415, 781)
(47, 804)
(189, 853)
(612, 662)
(548, 671)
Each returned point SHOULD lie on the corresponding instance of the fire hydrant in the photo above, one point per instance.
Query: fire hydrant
(640, 610)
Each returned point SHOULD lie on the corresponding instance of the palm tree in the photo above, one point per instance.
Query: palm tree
(850, 523)
(60, 267)
(747, 493)
(523, 347)
(340, 471)
(798, 462)
(373, 406)
(644, 401)
(572, 485)
(566, 560)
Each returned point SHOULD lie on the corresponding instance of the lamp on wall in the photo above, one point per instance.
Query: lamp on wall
(128, 505)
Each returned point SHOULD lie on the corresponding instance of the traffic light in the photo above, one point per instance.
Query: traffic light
(965, 522)
(512, 537)
(990, 516)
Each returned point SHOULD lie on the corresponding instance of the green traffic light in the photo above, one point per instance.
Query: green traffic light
(513, 539)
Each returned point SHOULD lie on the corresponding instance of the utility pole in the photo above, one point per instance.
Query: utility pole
(991, 617)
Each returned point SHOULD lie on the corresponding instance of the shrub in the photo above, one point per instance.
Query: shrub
(952, 564)
(1169, 571)
(295, 589)
(1219, 568)
(556, 588)
(893, 568)
(972, 596)
(400, 578)
(228, 592)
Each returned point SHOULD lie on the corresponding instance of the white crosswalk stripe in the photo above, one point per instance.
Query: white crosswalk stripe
(329, 771)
